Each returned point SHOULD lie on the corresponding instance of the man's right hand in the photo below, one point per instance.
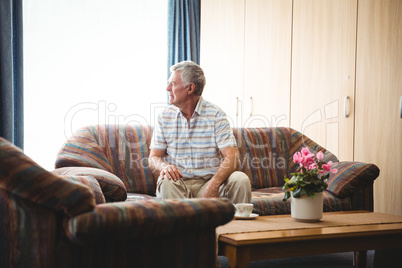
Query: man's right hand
(158, 165)
(171, 172)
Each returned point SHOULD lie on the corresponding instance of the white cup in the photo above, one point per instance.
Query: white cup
(243, 209)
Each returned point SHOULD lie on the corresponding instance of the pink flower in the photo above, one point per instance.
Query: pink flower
(307, 161)
(320, 156)
(327, 167)
(297, 157)
(307, 158)
(313, 166)
(306, 152)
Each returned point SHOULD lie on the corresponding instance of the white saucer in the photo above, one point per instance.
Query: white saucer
(251, 217)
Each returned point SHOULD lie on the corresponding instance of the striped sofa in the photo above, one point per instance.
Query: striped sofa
(118, 157)
(64, 219)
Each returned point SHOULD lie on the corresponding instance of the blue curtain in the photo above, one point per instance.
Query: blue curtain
(11, 72)
(183, 31)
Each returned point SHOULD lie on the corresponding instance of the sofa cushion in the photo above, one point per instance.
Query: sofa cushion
(350, 177)
(136, 197)
(92, 184)
(268, 201)
(110, 184)
(21, 176)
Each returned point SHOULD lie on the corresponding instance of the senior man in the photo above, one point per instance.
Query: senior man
(193, 148)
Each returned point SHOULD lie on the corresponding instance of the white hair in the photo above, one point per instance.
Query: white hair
(191, 73)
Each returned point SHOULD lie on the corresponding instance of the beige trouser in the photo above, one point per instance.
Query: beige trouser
(237, 188)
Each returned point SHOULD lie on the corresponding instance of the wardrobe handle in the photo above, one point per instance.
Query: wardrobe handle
(252, 106)
(344, 106)
(237, 106)
(400, 107)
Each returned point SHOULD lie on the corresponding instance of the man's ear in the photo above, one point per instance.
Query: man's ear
(191, 89)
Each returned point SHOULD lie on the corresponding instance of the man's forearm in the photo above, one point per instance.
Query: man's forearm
(227, 167)
(157, 164)
(161, 169)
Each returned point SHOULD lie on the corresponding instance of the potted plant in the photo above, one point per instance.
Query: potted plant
(306, 186)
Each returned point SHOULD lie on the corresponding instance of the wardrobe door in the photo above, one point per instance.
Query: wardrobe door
(323, 72)
(268, 31)
(378, 132)
(222, 54)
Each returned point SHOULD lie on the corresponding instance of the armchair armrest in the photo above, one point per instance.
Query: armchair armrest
(28, 233)
(350, 177)
(22, 177)
(147, 218)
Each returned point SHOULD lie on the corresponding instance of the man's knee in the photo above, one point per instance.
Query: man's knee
(168, 188)
(241, 178)
(238, 188)
(163, 182)
(164, 187)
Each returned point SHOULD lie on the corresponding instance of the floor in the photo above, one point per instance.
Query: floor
(338, 260)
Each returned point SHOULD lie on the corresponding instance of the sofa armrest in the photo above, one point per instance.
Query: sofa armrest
(147, 218)
(298, 142)
(21, 176)
(83, 150)
(350, 177)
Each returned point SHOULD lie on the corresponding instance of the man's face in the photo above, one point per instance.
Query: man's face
(177, 92)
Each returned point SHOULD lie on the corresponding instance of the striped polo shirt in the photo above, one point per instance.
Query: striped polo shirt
(193, 149)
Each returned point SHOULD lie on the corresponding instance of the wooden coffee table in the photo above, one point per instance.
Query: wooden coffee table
(241, 248)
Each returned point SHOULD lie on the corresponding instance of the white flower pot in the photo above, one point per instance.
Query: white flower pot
(307, 209)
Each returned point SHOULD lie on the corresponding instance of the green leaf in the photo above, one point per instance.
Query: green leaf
(296, 193)
(286, 196)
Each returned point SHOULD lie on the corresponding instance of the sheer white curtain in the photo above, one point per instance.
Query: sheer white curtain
(90, 62)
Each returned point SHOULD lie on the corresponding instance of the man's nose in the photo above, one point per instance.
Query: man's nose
(169, 87)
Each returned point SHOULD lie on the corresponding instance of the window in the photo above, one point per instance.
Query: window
(90, 62)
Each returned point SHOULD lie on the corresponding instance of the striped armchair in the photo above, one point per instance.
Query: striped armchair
(121, 153)
(63, 219)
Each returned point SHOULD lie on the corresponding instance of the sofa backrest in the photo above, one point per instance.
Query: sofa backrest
(266, 154)
(121, 150)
